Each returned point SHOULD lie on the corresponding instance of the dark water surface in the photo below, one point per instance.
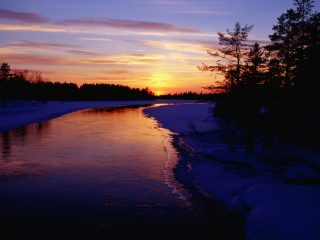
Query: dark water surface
(97, 174)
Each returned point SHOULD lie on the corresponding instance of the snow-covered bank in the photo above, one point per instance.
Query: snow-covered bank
(25, 112)
(276, 190)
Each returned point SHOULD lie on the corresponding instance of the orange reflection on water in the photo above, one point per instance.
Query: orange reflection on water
(113, 164)
(96, 140)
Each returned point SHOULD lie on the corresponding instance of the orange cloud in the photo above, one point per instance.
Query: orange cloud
(131, 59)
(179, 46)
(36, 28)
(37, 59)
(132, 78)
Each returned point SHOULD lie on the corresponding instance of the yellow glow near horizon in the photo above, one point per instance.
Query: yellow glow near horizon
(161, 71)
(159, 82)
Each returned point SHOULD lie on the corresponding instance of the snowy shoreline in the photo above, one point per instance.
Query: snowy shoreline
(254, 184)
(19, 113)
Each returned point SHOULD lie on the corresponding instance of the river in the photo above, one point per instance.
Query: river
(98, 174)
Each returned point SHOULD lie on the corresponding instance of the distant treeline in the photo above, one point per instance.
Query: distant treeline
(29, 85)
(189, 96)
(25, 85)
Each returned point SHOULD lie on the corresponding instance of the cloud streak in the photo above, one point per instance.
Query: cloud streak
(130, 59)
(129, 24)
(41, 45)
(36, 28)
(83, 53)
(37, 22)
(22, 16)
(185, 7)
(205, 12)
(96, 39)
(177, 46)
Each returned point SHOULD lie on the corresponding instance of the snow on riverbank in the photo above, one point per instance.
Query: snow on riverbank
(277, 190)
(18, 113)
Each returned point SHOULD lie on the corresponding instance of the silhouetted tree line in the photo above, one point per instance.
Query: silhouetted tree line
(277, 83)
(189, 96)
(24, 85)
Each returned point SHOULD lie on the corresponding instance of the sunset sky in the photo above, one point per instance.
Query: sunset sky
(140, 43)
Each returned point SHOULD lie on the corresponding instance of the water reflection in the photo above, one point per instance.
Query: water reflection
(5, 145)
(95, 173)
(117, 152)
(21, 135)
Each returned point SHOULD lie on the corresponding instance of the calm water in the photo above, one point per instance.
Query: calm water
(103, 174)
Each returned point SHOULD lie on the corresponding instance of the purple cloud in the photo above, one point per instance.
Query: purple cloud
(22, 16)
(104, 22)
(129, 24)
(42, 45)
